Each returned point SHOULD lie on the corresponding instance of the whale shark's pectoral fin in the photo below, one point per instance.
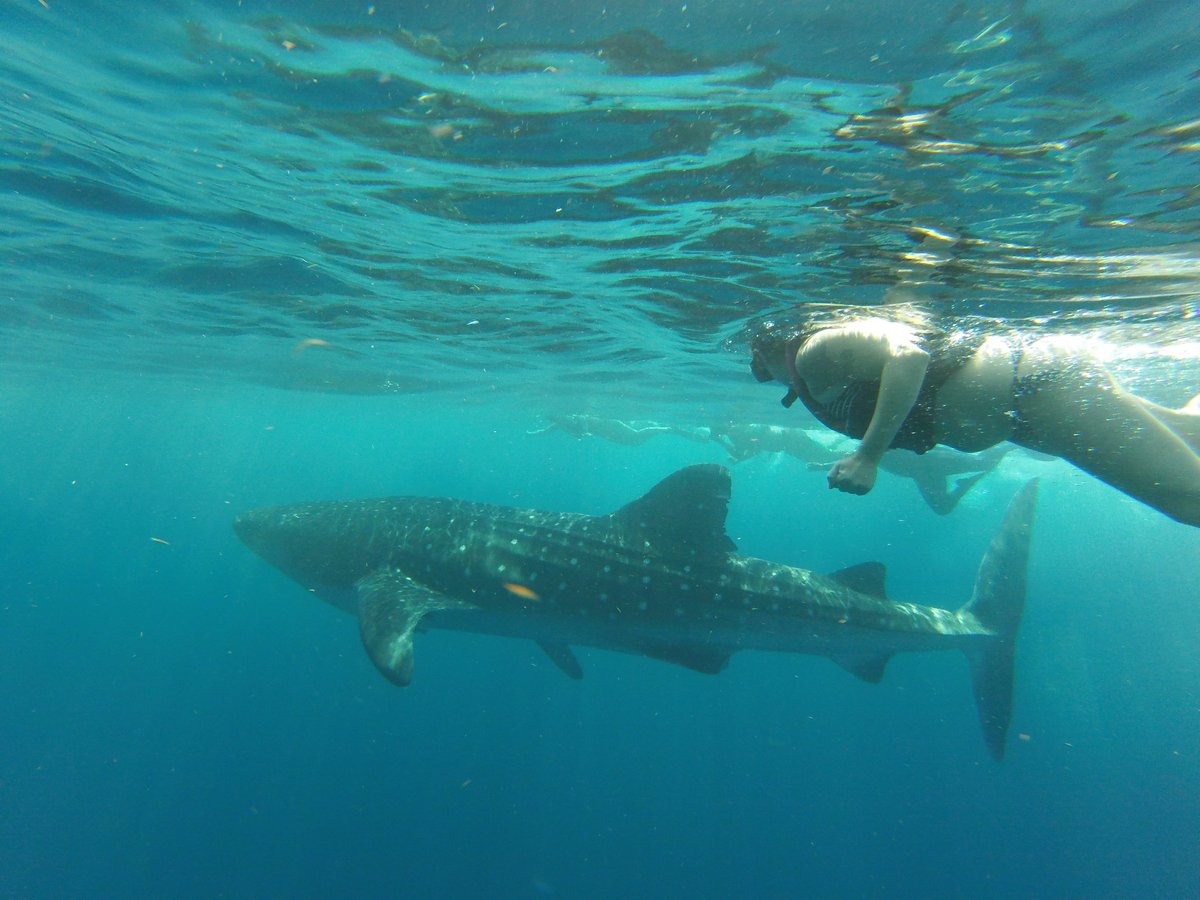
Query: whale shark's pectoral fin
(868, 668)
(563, 657)
(390, 605)
(708, 660)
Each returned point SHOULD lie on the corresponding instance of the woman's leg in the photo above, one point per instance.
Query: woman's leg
(631, 434)
(1184, 422)
(942, 499)
(1070, 406)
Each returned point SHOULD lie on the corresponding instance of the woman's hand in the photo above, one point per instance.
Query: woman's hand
(854, 474)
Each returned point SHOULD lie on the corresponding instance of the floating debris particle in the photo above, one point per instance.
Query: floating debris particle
(310, 342)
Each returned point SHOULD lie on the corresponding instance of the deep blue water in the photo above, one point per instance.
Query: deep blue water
(491, 214)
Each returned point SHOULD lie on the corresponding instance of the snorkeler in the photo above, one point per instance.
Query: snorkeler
(893, 377)
(631, 433)
(744, 440)
(931, 472)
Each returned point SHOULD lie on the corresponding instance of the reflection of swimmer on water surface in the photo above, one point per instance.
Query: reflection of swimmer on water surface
(899, 377)
(631, 433)
(742, 441)
(930, 471)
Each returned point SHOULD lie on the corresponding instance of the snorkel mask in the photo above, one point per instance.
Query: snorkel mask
(775, 341)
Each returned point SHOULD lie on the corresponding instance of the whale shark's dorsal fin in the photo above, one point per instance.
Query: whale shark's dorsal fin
(682, 515)
(866, 578)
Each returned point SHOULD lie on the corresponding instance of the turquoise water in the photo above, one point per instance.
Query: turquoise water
(260, 253)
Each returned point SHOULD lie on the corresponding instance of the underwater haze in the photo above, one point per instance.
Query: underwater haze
(261, 253)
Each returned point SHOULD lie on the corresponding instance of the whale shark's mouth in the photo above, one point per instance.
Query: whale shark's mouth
(260, 531)
(249, 528)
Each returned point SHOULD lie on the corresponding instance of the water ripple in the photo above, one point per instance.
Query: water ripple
(582, 196)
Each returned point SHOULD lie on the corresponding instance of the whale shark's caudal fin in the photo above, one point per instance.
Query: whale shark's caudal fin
(997, 604)
(682, 515)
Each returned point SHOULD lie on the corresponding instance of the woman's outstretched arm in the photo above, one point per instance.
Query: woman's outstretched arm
(873, 349)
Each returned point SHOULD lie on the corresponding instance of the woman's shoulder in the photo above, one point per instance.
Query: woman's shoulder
(866, 329)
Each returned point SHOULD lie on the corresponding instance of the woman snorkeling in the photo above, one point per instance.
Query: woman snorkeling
(894, 377)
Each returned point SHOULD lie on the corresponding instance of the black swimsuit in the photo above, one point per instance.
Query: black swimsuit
(851, 411)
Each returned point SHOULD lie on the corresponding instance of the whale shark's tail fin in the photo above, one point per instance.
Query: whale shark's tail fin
(997, 604)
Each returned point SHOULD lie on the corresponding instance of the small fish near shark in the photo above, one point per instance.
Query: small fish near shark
(659, 577)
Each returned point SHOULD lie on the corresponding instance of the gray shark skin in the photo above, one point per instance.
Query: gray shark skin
(658, 577)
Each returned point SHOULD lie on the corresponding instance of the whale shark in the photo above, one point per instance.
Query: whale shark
(658, 577)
